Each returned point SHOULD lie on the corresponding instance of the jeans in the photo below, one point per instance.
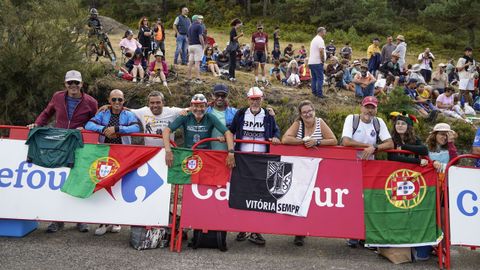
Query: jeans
(427, 75)
(160, 45)
(316, 70)
(182, 45)
(364, 92)
(233, 64)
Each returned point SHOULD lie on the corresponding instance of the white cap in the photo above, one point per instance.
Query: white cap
(198, 98)
(73, 75)
(254, 92)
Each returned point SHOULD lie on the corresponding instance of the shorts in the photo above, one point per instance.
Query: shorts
(259, 57)
(466, 84)
(195, 53)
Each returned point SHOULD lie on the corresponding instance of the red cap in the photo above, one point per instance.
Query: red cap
(370, 101)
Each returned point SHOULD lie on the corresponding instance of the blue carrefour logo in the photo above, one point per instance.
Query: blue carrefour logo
(150, 182)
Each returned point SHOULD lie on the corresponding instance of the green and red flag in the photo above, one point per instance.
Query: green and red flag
(100, 166)
(400, 204)
(205, 167)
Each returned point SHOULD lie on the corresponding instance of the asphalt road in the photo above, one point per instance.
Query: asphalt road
(70, 249)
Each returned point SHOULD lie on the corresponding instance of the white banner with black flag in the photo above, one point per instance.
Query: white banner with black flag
(272, 183)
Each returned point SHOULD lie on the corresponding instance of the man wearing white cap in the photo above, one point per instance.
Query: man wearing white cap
(254, 123)
(72, 109)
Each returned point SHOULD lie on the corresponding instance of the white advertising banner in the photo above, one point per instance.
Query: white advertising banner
(464, 204)
(31, 192)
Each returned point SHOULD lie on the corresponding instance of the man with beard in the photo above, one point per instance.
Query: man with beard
(220, 109)
(197, 125)
(364, 131)
(254, 123)
(156, 117)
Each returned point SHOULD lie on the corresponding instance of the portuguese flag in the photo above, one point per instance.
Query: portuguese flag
(400, 208)
(100, 166)
(205, 167)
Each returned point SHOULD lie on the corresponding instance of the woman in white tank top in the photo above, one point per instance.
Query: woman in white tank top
(308, 130)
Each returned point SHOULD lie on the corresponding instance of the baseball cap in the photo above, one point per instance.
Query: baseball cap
(159, 53)
(401, 37)
(254, 92)
(198, 98)
(73, 75)
(220, 88)
(197, 17)
(356, 62)
(441, 127)
(370, 100)
(412, 81)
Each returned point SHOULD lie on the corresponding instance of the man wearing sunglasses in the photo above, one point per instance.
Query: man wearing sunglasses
(72, 110)
(220, 108)
(71, 107)
(115, 121)
(198, 125)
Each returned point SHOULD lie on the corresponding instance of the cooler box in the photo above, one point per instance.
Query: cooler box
(16, 228)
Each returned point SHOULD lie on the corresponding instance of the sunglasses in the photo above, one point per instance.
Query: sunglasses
(73, 82)
(117, 99)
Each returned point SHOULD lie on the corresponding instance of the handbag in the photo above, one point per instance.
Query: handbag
(232, 46)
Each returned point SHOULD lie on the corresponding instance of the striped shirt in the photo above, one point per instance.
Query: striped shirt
(317, 133)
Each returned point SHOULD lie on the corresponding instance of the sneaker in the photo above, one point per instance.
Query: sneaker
(197, 81)
(134, 80)
(165, 84)
(115, 228)
(299, 240)
(102, 230)
(82, 227)
(55, 227)
(353, 243)
(242, 236)
(233, 79)
(257, 239)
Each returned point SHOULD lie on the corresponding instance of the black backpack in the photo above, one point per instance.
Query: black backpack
(211, 239)
(356, 122)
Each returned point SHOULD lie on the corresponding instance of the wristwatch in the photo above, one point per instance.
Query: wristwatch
(375, 146)
(231, 151)
(318, 142)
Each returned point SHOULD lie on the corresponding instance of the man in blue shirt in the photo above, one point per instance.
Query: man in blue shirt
(196, 45)
(476, 147)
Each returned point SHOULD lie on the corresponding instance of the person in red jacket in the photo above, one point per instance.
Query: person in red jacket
(71, 107)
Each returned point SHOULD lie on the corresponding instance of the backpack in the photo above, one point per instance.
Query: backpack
(356, 123)
(476, 104)
(211, 239)
(147, 238)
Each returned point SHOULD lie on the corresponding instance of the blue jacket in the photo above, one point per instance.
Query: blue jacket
(229, 114)
(128, 124)
(271, 128)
